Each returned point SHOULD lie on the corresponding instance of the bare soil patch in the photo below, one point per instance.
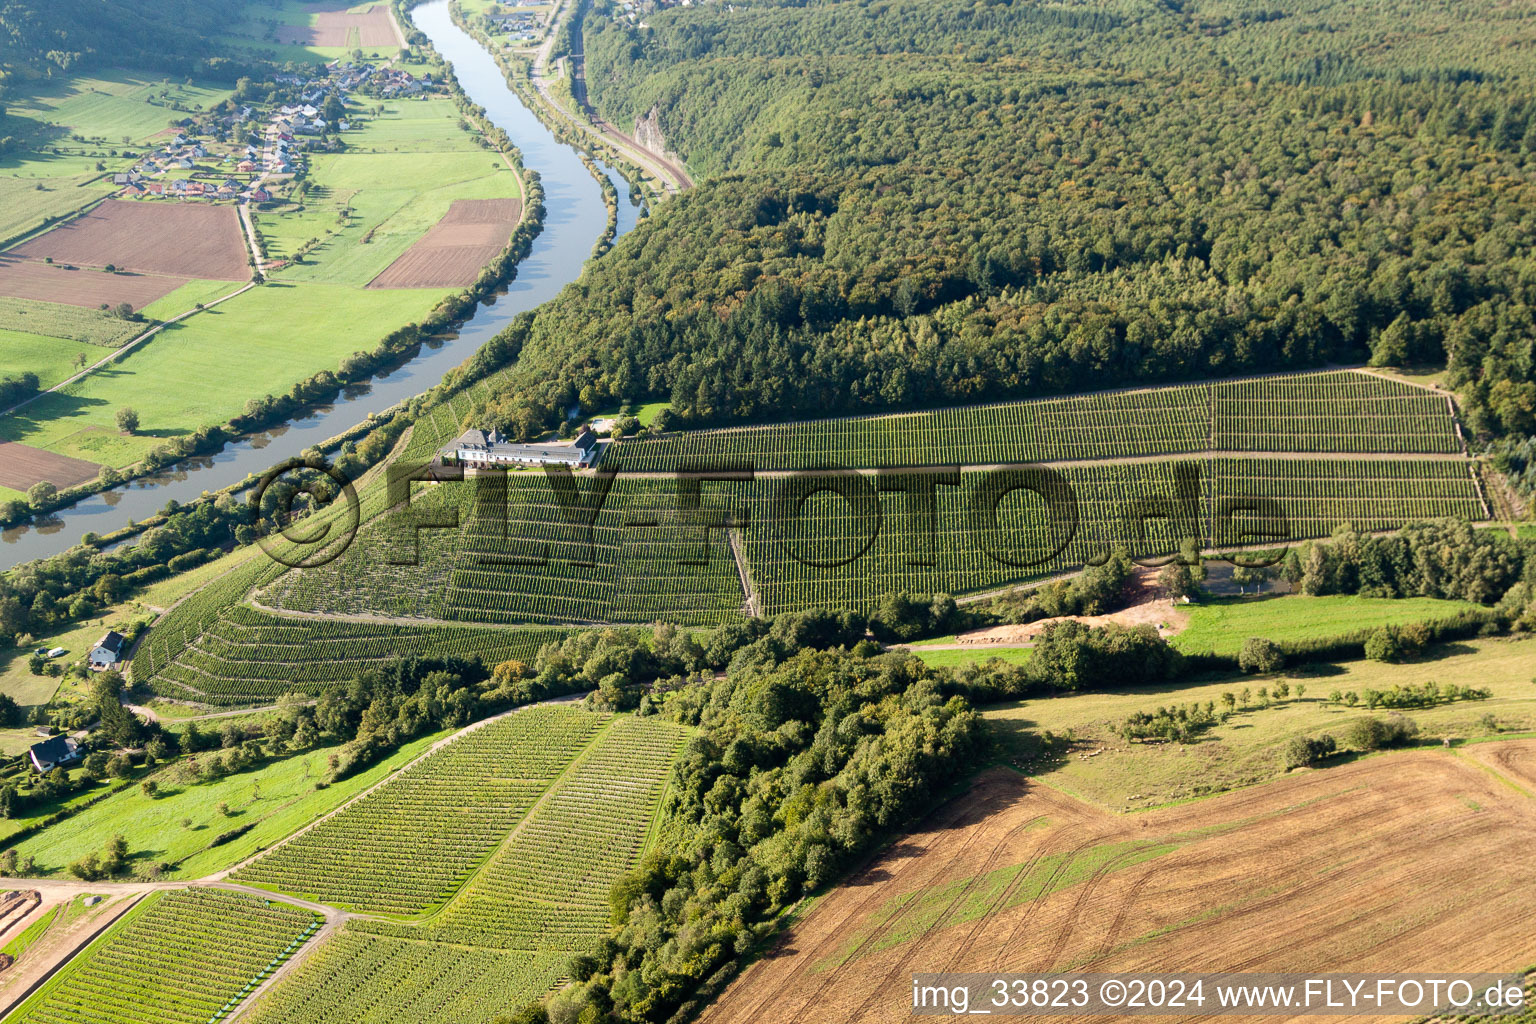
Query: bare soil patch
(21, 466)
(185, 240)
(451, 254)
(1411, 861)
(333, 28)
(90, 288)
(1146, 604)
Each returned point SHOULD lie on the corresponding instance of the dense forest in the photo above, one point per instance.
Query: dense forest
(920, 202)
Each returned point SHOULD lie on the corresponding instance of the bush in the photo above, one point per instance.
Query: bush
(1260, 655)
(1397, 643)
(1379, 733)
(1305, 750)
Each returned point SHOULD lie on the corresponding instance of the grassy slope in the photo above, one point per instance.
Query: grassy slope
(1245, 750)
(278, 798)
(1221, 625)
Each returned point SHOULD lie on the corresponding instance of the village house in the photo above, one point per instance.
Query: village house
(49, 754)
(108, 650)
(488, 448)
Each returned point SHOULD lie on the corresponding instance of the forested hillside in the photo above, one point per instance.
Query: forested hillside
(919, 202)
(49, 36)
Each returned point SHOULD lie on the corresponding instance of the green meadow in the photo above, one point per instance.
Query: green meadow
(52, 359)
(275, 800)
(1220, 625)
(205, 368)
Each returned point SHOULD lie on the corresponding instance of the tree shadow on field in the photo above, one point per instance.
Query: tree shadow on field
(1440, 652)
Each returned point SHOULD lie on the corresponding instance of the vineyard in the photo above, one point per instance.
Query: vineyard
(409, 844)
(520, 557)
(368, 979)
(245, 656)
(507, 936)
(547, 887)
(1341, 412)
(847, 548)
(187, 956)
(1247, 461)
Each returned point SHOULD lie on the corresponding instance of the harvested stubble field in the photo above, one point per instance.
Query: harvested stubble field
(452, 253)
(373, 27)
(1415, 860)
(21, 466)
(175, 239)
(21, 279)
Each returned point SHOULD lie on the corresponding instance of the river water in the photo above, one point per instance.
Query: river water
(574, 218)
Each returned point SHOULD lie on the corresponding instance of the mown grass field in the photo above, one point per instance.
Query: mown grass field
(205, 368)
(1220, 625)
(276, 800)
(1246, 749)
(52, 359)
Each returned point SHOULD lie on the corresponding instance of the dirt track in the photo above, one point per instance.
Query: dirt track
(452, 253)
(187, 240)
(21, 279)
(1419, 860)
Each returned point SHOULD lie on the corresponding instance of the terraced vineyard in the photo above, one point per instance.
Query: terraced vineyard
(369, 979)
(520, 558)
(838, 552)
(247, 656)
(507, 936)
(1337, 412)
(181, 957)
(411, 842)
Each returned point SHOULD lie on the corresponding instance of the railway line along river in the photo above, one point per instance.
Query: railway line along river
(574, 218)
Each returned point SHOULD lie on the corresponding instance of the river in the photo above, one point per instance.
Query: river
(574, 218)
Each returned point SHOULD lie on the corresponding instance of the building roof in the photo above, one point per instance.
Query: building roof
(112, 642)
(492, 445)
(59, 748)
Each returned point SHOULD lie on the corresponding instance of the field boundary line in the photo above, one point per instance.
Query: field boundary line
(220, 876)
(118, 353)
(1497, 775)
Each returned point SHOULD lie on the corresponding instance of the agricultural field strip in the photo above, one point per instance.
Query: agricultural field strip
(1333, 413)
(180, 957)
(408, 844)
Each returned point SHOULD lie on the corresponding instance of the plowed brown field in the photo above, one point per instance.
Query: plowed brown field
(333, 28)
(176, 239)
(21, 466)
(1414, 861)
(23, 280)
(451, 254)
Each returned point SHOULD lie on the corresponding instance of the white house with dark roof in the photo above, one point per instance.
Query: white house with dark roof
(488, 448)
(108, 650)
(49, 754)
